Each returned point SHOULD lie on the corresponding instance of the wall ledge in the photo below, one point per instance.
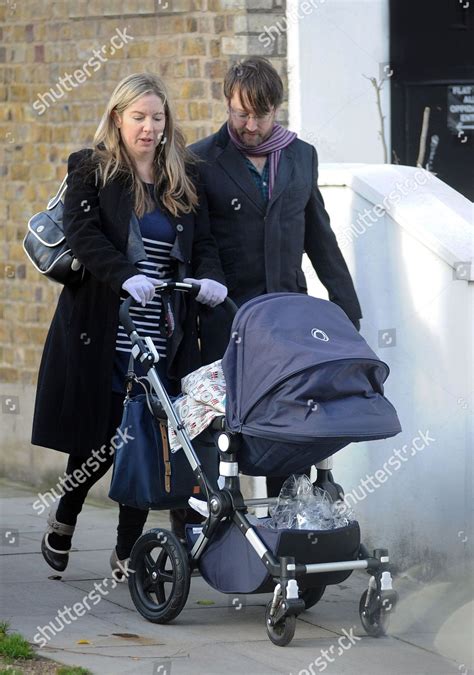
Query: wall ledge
(431, 211)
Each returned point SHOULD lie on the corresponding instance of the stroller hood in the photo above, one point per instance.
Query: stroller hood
(297, 370)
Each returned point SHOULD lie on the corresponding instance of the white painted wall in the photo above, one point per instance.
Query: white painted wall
(331, 104)
(406, 272)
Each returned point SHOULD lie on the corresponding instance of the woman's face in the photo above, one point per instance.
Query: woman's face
(141, 126)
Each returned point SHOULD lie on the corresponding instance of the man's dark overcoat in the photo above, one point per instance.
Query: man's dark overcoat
(261, 245)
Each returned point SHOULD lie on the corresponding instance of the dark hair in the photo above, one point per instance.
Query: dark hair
(258, 83)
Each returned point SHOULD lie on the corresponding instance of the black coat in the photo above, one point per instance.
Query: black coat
(261, 246)
(75, 378)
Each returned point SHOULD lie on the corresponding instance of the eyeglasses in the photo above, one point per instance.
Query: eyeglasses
(244, 117)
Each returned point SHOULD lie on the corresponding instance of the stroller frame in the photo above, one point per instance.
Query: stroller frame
(376, 603)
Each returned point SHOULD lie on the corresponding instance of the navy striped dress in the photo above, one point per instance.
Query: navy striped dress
(158, 234)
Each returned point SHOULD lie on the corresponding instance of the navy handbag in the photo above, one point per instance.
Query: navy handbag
(146, 474)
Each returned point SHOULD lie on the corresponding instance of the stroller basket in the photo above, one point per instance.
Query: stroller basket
(230, 565)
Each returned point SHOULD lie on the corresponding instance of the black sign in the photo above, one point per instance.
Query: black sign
(461, 108)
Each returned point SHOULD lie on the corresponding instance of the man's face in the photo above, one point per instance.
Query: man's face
(252, 130)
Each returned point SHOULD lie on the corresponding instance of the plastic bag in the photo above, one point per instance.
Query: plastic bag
(304, 506)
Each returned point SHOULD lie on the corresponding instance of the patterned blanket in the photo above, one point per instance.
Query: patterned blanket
(203, 399)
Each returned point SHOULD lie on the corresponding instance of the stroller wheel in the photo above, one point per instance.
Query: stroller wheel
(373, 618)
(312, 595)
(159, 584)
(281, 633)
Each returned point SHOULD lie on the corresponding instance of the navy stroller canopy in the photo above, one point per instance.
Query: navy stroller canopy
(297, 371)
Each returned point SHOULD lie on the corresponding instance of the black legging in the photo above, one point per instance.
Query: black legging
(131, 520)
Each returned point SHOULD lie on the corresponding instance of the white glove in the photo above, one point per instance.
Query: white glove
(140, 287)
(212, 293)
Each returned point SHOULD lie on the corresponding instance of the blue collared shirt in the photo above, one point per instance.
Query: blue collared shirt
(261, 179)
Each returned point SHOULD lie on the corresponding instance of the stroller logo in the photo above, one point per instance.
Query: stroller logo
(319, 334)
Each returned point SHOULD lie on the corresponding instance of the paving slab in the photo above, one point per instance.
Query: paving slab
(430, 633)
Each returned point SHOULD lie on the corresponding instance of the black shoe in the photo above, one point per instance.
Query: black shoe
(56, 558)
(119, 567)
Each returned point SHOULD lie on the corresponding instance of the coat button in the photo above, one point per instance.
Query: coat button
(179, 227)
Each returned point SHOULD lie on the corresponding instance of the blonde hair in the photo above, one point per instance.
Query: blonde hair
(173, 186)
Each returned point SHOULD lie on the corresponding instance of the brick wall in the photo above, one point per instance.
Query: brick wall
(190, 43)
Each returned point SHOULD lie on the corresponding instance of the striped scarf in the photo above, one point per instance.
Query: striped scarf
(279, 138)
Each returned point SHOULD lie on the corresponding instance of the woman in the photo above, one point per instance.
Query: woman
(133, 217)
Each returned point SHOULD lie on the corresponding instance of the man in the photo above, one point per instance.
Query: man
(265, 207)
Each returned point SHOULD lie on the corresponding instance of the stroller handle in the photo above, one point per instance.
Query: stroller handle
(124, 315)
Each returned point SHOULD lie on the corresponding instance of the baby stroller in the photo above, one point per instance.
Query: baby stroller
(301, 384)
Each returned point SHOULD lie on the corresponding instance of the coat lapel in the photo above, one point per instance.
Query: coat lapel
(284, 171)
(116, 198)
(182, 244)
(234, 165)
(273, 230)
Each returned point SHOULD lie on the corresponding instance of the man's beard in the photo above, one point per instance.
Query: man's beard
(249, 139)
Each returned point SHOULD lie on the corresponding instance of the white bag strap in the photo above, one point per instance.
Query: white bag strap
(59, 194)
(62, 189)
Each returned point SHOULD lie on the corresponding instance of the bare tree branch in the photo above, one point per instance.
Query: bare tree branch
(378, 88)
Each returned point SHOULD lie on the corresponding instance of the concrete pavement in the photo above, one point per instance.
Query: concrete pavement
(431, 632)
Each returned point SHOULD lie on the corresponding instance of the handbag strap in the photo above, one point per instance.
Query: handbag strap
(166, 455)
(59, 194)
(62, 189)
(132, 377)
